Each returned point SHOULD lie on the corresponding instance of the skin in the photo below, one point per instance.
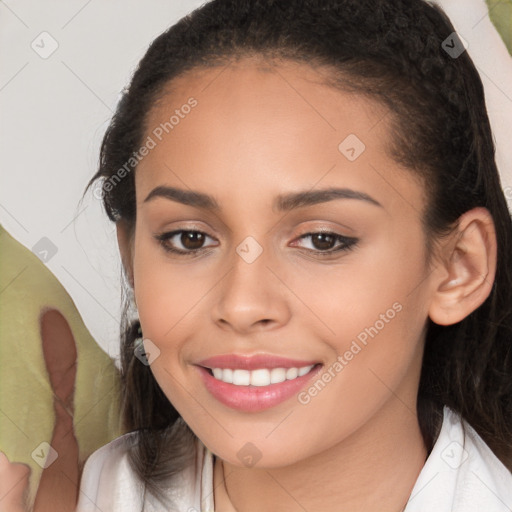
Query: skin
(13, 484)
(254, 134)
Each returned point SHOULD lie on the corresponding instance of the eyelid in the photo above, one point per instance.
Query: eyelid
(323, 229)
(334, 227)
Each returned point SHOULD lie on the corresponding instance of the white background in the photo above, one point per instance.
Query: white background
(55, 110)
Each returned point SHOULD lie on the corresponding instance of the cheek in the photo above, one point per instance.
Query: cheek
(366, 289)
(168, 298)
(166, 290)
(371, 315)
(371, 312)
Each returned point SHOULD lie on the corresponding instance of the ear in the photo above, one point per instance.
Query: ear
(465, 277)
(125, 242)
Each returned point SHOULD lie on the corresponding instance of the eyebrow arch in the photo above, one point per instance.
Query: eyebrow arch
(282, 203)
(291, 201)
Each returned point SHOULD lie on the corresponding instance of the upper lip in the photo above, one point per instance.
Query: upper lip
(253, 362)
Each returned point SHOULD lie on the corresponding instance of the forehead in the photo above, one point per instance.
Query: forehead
(284, 85)
(257, 123)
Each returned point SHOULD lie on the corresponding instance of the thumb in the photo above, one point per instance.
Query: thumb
(13, 484)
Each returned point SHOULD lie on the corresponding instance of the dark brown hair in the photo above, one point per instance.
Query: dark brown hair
(391, 51)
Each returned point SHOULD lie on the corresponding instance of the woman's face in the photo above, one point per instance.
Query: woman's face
(355, 301)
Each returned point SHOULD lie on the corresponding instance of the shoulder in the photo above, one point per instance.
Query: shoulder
(461, 474)
(111, 454)
(108, 481)
(489, 479)
(118, 448)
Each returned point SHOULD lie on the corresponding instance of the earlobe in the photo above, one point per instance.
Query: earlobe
(125, 242)
(468, 271)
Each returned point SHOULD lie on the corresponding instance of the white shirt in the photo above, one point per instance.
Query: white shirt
(461, 474)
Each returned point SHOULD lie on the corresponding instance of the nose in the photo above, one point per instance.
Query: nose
(251, 296)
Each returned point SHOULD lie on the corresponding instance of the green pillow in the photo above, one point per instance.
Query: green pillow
(28, 288)
(500, 12)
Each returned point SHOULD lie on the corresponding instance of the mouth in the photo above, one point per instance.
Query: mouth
(247, 384)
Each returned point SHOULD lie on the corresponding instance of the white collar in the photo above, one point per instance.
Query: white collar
(461, 474)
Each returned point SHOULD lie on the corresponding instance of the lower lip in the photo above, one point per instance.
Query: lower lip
(254, 398)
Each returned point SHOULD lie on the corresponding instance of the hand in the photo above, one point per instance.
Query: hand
(59, 484)
(13, 485)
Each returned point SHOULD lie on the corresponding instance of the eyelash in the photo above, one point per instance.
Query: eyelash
(348, 243)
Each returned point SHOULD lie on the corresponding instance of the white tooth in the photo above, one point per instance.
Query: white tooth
(291, 373)
(227, 375)
(304, 370)
(260, 377)
(241, 377)
(277, 375)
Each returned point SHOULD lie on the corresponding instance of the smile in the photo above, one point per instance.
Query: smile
(255, 382)
(259, 377)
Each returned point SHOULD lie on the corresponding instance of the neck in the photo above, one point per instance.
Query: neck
(374, 469)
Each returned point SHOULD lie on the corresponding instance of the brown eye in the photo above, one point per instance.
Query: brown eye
(324, 243)
(184, 242)
(192, 240)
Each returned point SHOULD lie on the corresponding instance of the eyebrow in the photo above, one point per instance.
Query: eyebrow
(282, 203)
